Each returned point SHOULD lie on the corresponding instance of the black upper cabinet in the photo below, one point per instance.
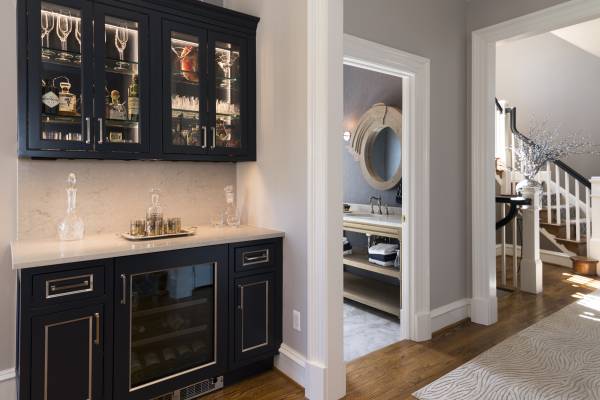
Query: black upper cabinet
(132, 79)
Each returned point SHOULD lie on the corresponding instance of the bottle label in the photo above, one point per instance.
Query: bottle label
(50, 99)
(67, 103)
(133, 105)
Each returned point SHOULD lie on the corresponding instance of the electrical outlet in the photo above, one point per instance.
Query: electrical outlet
(296, 318)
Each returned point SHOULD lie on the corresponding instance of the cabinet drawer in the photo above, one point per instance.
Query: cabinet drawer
(255, 257)
(68, 285)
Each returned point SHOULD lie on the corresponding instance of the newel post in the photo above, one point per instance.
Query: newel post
(531, 264)
(594, 243)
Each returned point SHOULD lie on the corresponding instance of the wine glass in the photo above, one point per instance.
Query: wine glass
(64, 27)
(78, 38)
(225, 60)
(181, 52)
(121, 39)
(47, 25)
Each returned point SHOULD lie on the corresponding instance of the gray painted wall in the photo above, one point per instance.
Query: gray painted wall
(362, 89)
(484, 13)
(436, 30)
(547, 78)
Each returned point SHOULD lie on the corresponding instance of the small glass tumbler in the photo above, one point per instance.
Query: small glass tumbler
(137, 227)
(217, 220)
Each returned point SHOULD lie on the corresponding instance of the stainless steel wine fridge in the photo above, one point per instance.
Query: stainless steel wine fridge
(169, 330)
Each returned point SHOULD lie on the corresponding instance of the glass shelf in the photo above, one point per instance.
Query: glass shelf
(120, 67)
(122, 123)
(61, 119)
(64, 58)
(233, 116)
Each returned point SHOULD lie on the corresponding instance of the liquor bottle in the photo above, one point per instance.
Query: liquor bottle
(117, 109)
(49, 98)
(133, 101)
(107, 103)
(67, 101)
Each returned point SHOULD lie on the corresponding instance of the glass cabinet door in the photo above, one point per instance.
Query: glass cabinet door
(227, 93)
(172, 323)
(121, 80)
(60, 75)
(185, 128)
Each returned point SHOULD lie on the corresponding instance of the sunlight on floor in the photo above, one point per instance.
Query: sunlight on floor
(578, 280)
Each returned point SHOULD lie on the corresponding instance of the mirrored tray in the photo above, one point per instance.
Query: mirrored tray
(184, 232)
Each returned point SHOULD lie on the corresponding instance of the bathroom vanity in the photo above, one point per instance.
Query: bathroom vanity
(362, 288)
(105, 318)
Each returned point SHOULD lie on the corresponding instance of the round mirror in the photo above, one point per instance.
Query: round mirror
(386, 154)
(380, 139)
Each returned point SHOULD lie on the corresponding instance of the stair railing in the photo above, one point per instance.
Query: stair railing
(565, 192)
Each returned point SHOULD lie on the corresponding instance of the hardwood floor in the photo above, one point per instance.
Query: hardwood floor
(400, 369)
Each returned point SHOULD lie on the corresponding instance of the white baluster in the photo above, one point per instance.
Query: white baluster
(548, 192)
(577, 213)
(557, 192)
(503, 245)
(515, 253)
(567, 203)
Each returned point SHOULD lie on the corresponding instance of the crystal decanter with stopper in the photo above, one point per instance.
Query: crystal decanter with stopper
(154, 215)
(71, 227)
(232, 215)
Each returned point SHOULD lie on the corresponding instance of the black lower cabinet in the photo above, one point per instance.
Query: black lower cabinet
(167, 325)
(254, 317)
(67, 354)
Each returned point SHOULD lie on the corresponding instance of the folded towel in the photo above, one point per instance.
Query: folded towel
(383, 248)
(382, 263)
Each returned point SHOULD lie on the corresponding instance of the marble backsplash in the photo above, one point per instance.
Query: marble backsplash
(111, 193)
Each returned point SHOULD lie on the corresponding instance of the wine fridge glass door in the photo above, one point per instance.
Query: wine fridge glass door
(173, 323)
(60, 106)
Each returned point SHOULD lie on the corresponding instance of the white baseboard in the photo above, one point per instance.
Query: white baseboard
(8, 384)
(449, 314)
(292, 364)
(547, 256)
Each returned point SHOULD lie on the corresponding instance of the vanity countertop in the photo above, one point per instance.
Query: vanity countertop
(389, 221)
(36, 253)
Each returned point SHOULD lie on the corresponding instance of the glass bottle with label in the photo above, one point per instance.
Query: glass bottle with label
(232, 214)
(117, 109)
(49, 98)
(133, 100)
(67, 101)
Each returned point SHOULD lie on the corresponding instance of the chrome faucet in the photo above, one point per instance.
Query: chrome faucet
(378, 199)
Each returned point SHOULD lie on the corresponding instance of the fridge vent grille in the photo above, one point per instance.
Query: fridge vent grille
(201, 388)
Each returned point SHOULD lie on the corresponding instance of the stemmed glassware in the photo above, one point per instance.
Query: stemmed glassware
(64, 27)
(225, 60)
(47, 25)
(121, 39)
(181, 52)
(78, 38)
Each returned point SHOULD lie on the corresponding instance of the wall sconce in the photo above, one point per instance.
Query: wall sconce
(347, 136)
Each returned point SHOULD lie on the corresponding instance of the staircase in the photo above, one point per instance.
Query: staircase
(565, 215)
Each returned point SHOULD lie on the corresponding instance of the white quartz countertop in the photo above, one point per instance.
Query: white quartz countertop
(36, 253)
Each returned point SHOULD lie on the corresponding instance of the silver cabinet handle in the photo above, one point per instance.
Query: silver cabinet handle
(214, 137)
(255, 257)
(101, 138)
(124, 289)
(54, 288)
(88, 129)
(205, 137)
(97, 340)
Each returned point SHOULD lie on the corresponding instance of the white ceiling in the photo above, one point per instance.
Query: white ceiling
(586, 36)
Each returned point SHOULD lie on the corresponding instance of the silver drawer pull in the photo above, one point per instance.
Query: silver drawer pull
(55, 289)
(255, 257)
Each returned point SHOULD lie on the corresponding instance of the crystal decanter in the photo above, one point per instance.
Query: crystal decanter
(71, 227)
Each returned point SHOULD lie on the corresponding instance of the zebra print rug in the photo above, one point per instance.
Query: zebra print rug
(556, 358)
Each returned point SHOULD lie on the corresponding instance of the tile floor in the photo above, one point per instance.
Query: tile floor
(367, 330)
